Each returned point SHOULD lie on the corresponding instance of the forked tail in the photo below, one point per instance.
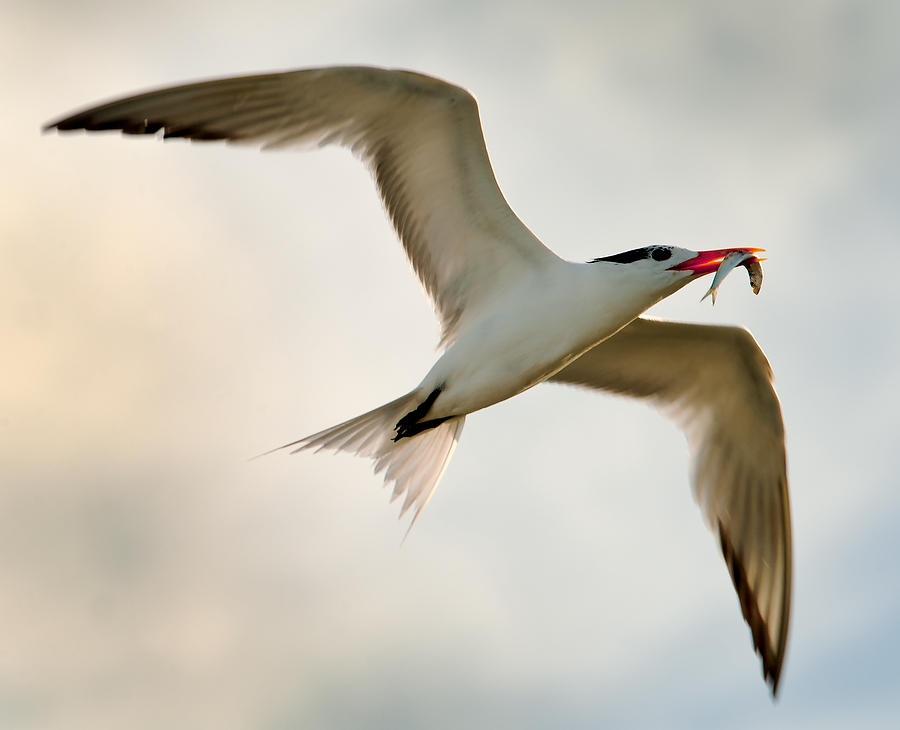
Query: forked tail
(414, 464)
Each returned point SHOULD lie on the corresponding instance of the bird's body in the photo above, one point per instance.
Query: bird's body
(513, 313)
(520, 340)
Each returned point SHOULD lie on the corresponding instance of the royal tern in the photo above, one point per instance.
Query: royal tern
(513, 313)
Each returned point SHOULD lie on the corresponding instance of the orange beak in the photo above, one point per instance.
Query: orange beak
(706, 262)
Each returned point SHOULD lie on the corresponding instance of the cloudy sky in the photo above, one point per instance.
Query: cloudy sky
(168, 310)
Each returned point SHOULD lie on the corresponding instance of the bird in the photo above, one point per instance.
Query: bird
(513, 313)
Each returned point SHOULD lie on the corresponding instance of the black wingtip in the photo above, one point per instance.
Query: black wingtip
(86, 122)
(772, 659)
(51, 126)
(80, 122)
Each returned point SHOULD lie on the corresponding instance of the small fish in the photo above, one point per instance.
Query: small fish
(732, 260)
(755, 272)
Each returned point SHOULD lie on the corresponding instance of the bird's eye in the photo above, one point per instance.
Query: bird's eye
(660, 254)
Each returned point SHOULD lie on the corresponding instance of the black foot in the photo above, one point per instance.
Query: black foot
(410, 424)
(417, 428)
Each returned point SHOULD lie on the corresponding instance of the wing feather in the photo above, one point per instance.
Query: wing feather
(421, 138)
(717, 384)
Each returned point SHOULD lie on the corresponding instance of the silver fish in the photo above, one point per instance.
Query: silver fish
(732, 260)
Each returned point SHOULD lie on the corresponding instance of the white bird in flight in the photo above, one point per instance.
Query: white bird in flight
(513, 313)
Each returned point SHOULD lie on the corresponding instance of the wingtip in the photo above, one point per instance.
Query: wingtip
(72, 123)
(772, 675)
(772, 681)
(772, 657)
(53, 126)
(66, 124)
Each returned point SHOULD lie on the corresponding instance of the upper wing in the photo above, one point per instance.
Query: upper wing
(420, 136)
(717, 384)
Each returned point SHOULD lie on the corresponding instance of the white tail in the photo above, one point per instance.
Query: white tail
(414, 465)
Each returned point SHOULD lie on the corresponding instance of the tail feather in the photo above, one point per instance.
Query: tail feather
(413, 465)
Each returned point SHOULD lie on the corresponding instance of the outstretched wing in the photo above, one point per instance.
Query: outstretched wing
(717, 384)
(421, 138)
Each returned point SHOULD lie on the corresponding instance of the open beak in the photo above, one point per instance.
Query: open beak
(706, 262)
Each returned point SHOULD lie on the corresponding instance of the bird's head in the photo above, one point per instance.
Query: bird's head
(666, 269)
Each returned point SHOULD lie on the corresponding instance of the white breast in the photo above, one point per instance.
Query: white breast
(528, 333)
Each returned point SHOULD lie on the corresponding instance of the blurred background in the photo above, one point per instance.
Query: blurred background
(169, 310)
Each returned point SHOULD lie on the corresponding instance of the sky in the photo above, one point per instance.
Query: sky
(169, 310)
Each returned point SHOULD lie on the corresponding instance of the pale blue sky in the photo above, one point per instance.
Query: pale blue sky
(168, 310)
